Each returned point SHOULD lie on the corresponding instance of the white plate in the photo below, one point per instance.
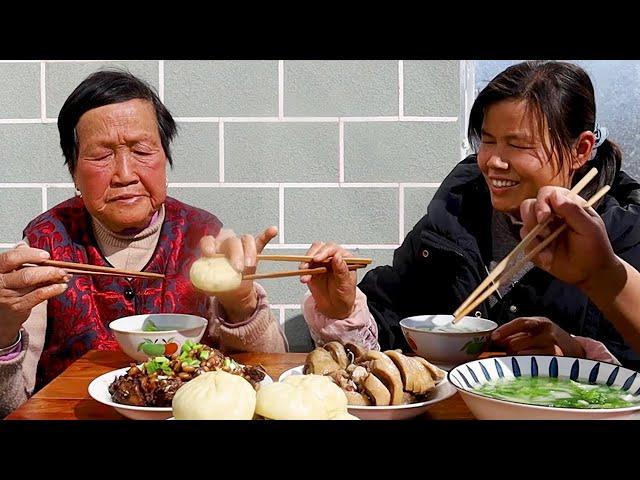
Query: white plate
(99, 391)
(442, 391)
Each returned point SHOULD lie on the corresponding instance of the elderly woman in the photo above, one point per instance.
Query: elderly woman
(115, 135)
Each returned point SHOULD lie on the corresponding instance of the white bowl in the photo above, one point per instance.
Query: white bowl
(465, 377)
(141, 345)
(447, 349)
(442, 391)
(99, 391)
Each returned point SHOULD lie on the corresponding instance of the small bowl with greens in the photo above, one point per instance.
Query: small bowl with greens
(546, 387)
(437, 339)
(153, 335)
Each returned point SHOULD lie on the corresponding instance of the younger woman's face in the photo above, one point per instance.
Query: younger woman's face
(512, 156)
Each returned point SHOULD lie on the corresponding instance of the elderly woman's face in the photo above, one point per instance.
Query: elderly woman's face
(121, 168)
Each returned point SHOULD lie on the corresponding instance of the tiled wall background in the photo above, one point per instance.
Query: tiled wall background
(343, 151)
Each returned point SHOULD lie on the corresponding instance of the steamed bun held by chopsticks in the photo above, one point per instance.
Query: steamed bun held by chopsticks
(214, 274)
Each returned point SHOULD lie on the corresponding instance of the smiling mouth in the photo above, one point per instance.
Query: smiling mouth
(495, 183)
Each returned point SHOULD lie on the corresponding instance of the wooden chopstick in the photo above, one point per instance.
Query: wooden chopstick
(518, 266)
(86, 269)
(302, 258)
(500, 267)
(255, 276)
(293, 273)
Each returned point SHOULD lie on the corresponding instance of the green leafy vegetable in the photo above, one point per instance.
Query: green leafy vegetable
(158, 364)
(149, 326)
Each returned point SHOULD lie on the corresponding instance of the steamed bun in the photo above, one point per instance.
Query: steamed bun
(215, 395)
(214, 274)
(302, 397)
(330, 394)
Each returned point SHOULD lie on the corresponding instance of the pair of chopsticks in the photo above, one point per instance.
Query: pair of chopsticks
(86, 269)
(352, 264)
(499, 276)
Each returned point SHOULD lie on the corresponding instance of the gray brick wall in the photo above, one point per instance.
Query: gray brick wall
(281, 152)
(20, 90)
(400, 151)
(221, 89)
(344, 151)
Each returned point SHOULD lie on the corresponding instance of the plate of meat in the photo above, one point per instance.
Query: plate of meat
(145, 391)
(378, 385)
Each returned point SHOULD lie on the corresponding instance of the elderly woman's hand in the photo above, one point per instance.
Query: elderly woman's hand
(242, 255)
(21, 289)
(335, 291)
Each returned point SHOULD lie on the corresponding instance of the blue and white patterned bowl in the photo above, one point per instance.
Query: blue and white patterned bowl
(478, 372)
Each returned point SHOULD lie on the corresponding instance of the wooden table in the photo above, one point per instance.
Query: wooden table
(67, 398)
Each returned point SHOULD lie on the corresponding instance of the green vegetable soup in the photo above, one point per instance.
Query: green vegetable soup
(557, 392)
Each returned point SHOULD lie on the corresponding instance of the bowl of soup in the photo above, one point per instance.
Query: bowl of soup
(156, 334)
(547, 387)
(445, 344)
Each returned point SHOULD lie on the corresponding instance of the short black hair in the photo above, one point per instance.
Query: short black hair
(106, 87)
